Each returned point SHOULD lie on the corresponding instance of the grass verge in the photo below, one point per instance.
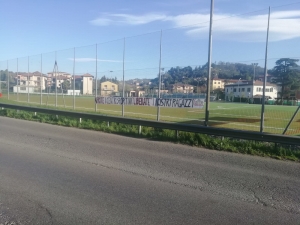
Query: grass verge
(257, 148)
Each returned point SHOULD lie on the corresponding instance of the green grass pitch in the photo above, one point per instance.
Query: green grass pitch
(239, 116)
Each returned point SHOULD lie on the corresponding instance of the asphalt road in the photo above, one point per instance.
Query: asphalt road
(58, 175)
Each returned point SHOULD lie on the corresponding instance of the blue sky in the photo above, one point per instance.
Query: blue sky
(32, 27)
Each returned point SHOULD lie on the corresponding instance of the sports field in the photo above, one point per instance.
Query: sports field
(239, 116)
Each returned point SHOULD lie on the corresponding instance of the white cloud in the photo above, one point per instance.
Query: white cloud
(115, 19)
(284, 25)
(101, 22)
(93, 60)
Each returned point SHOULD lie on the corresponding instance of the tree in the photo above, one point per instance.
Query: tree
(66, 85)
(287, 76)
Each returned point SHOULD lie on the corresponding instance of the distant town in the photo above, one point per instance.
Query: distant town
(229, 82)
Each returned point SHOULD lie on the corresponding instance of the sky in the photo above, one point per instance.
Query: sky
(143, 34)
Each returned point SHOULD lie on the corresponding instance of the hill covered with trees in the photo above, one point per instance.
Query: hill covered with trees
(197, 76)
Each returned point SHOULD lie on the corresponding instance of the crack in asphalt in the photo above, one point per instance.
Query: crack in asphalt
(47, 211)
(258, 200)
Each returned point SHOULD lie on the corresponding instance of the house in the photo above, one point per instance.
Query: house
(87, 84)
(217, 83)
(37, 82)
(137, 93)
(250, 90)
(108, 88)
(58, 80)
(181, 88)
(30, 82)
(55, 74)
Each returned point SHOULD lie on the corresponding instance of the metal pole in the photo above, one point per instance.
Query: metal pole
(209, 65)
(55, 81)
(239, 89)
(74, 80)
(1, 83)
(159, 79)
(96, 86)
(41, 80)
(265, 77)
(123, 94)
(7, 81)
(293, 117)
(28, 80)
(18, 85)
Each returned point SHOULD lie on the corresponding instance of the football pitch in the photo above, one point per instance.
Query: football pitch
(240, 116)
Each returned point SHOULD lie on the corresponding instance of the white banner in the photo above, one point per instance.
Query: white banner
(162, 102)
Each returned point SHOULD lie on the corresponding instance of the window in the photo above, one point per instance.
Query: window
(215, 82)
(234, 89)
(113, 87)
(219, 82)
(267, 90)
(23, 88)
(271, 89)
(248, 89)
(243, 89)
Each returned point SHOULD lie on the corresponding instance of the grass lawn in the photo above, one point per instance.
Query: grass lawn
(240, 116)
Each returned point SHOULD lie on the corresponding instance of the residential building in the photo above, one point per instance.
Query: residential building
(250, 90)
(35, 82)
(181, 88)
(30, 82)
(137, 93)
(108, 88)
(87, 84)
(55, 74)
(58, 78)
(217, 84)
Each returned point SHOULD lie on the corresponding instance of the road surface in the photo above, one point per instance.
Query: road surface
(58, 175)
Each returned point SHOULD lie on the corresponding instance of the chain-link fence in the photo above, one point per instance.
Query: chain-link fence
(163, 76)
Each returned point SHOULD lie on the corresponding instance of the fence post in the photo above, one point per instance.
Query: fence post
(55, 70)
(41, 81)
(28, 80)
(123, 94)
(74, 80)
(159, 78)
(7, 81)
(287, 127)
(262, 117)
(209, 65)
(96, 86)
(18, 80)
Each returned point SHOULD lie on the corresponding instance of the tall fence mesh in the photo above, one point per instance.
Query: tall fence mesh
(156, 76)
